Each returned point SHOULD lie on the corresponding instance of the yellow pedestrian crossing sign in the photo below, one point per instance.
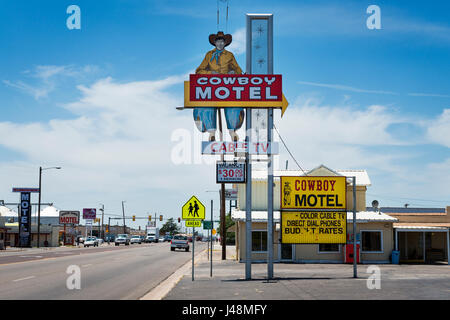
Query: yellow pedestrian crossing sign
(193, 210)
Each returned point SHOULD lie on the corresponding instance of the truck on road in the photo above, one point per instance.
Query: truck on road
(152, 234)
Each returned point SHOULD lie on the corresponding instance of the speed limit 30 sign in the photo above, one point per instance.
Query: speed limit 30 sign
(230, 172)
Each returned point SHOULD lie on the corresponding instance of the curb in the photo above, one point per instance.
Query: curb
(165, 286)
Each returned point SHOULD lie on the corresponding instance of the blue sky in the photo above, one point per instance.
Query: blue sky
(100, 101)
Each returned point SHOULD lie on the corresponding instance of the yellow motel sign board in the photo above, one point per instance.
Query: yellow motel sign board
(193, 210)
(308, 192)
(312, 227)
(193, 223)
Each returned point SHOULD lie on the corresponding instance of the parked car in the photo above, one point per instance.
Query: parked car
(149, 239)
(135, 239)
(80, 239)
(179, 242)
(198, 238)
(122, 239)
(91, 241)
(167, 238)
(100, 241)
(161, 239)
(190, 239)
(142, 238)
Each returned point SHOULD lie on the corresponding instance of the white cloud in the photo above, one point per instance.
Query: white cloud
(238, 45)
(118, 145)
(47, 78)
(439, 130)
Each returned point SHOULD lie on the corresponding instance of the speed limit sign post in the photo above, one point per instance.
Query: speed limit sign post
(231, 172)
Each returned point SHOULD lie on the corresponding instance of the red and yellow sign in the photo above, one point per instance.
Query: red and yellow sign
(309, 192)
(234, 90)
(313, 227)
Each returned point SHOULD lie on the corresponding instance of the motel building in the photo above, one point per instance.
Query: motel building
(418, 236)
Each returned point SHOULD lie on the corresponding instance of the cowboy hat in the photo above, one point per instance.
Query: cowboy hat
(226, 37)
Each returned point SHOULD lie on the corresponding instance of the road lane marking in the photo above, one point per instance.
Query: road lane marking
(87, 265)
(21, 279)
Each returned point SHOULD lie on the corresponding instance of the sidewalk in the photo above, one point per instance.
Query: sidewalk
(308, 281)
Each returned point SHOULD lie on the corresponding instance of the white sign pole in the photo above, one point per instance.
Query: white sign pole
(193, 246)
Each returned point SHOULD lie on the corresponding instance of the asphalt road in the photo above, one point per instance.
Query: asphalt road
(107, 272)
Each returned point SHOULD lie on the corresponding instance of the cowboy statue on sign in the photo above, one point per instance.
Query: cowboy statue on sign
(219, 61)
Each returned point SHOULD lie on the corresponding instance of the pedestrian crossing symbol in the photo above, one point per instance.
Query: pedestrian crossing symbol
(193, 210)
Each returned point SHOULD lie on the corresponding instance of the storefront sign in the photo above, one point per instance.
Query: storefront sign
(230, 172)
(69, 217)
(25, 220)
(230, 148)
(238, 90)
(89, 213)
(308, 227)
(35, 190)
(314, 193)
(231, 194)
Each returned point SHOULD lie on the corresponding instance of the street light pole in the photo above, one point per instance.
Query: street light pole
(39, 202)
(102, 234)
(39, 209)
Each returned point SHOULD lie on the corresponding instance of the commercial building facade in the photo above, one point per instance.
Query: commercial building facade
(374, 230)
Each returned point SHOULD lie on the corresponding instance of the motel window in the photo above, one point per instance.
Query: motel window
(259, 241)
(372, 241)
(329, 247)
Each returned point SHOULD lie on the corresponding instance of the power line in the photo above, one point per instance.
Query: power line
(292, 156)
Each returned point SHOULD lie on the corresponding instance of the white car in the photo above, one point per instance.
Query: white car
(91, 241)
(161, 239)
(100, 241)
(135, 239)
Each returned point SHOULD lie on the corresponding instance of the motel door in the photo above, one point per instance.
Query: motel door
(287, 252)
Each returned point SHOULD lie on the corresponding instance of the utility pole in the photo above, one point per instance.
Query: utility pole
(222, 198)
(123, 212)
(102, 234)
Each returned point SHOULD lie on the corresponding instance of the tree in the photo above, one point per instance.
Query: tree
(170, 226)
(230, 235)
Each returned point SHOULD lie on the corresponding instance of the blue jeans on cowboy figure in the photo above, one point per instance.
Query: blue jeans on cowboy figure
(206, 120)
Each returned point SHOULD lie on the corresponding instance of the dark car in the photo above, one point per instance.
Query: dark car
(110, 238)
(167, 238)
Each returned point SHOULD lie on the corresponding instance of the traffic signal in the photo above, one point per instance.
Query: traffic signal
(149, 218)
(134, 218)
(160, 218)
(179, 220)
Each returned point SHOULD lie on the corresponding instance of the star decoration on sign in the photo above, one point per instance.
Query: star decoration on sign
(261, 61)
(260, 30)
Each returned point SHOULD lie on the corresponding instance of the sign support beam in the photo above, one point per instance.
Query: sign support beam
(248, 185)
(270, 155)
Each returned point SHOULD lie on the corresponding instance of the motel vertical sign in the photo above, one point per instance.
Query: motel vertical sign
(25, 220)
(25, 215)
